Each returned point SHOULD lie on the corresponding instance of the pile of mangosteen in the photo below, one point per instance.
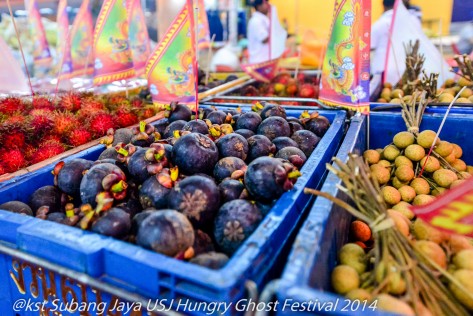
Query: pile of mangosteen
(193, 188)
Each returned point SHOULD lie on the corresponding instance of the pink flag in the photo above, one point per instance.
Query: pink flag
(264, 71)
(41, 52)
(112, 51)
(172, 68)
(138, 35)
(12, 78)
(82, 36)
(278, 35)
(203, 39)
(405, 28)
(64, 41)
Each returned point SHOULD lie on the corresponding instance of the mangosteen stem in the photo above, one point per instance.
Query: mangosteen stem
(122, 151)
(118, 187)
(142, 126)
(174, 173)
(294, 174)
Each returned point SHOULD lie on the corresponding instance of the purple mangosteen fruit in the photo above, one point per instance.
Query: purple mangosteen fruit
(295, 127)
(196, 126)
(293, 154)
(178, 112)
(211, 260)
(109, 153)
(235, 221)
(229, 167)
(122, 135)
(49, 196)
(132, 206)
(282, 142)
(167, 232)
(306, 141)
(153, 194)
(174, 126)
(231, 189)
(318, 125)
(195, 153)
(196, 197)
(273, 110)
(219, 117)
(160, 126)
(115, 223)
(260, 145)
(202, 243)
(249, 120)
(68, 175)
(245, 133)
(17, 207)
(233, 145)
(139, 218)
(274, 127)
(138, 165)
(266, 178)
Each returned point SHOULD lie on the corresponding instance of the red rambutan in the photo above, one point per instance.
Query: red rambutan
(29, 151)
(11, 105)
(137, 103)
(125, 118)
(36, 112)
(64, 122)
(79, 137)
(42, 103)
(12, 160)
(14, 139)
(2, 170)
(146, 113)
(16, 120)
(46, 151)
(51, 138)
(100, 123)
(70, 102)
(40, 124)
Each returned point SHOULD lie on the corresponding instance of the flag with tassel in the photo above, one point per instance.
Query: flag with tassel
(172, 67)
(41, 52)
(138, 35)
(112, 52)
(82, 36)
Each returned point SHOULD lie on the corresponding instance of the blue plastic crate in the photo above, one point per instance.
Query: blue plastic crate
(439, 108)
(306, 277)
(124, 266)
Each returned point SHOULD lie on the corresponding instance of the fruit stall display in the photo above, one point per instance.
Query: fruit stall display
(283, 89)
(35, 129)
(219, 182)
(352, 254)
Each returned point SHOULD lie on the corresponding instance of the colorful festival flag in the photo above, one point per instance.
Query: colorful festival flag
(41, 53)
(12, 77)
(262, 71)
(203, 31)
(404, 28)
(138, 36)
(82, 36)
(451, 212)
(346, 66)
(112, 51)
(63, 42)
(172, 67)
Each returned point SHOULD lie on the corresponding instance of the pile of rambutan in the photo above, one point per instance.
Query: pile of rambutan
(38, 128)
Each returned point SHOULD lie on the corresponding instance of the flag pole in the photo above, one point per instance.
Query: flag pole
(194, 19)
(20, 46)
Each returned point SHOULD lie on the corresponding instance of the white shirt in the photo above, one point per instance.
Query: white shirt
(258, 31)
(379, 41)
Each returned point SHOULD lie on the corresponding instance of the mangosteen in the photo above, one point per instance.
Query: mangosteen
(132, 206)
(293, 119)
(153, 194)
(235, 118)
(282, 142)
(195, 153)
(230, 78)
(168, 150)
(139, 218)
(138, 165)
(217, 117)
(273, 110)
(266, 178)
(318, 125)
(306, 141)
(49, 196)
(174, 126)
(249, 120)
(231, 111)
(57, 217)
(168, 232)
(274, 127)
(117, 163)
(295, 127)
(260, 145)
(109, 153)
(293, 154)
(196, 126)
(211, 260)
(196, 197)
(245, 133)
(179, 112)
(202, 243)
(115, 223)
(230, 190)
(233, 145)
(100, 178)
(122, 135)
(68, 175)
(160, 126)
(227, 167)
(204, 112)
(17, 207)
(235, 221)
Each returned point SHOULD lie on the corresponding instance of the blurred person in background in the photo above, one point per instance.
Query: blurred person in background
(465, 42)
(413, 9)
(259, 32)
